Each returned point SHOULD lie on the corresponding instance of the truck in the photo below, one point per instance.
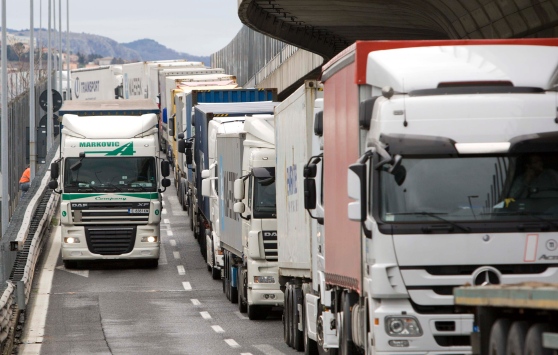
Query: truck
(241, 182)
(136, 77)
(512, 319)
(420, 162)
(99, 83)
(223, 94)
(177, 115)
(167, 82)
(298, 236)
(108, 175)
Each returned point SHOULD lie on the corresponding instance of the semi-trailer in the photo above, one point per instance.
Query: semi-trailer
(99, 83)
(241, 183)
(430, 149)
(109, 178)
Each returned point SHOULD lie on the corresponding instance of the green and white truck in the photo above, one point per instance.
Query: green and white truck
(109, 178)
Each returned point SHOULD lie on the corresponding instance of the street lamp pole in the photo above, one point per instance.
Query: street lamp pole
(4, 126)
(68, 88)
(49, 82)
(32, 131)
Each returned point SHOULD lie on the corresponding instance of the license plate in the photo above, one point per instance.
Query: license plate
(138, 210)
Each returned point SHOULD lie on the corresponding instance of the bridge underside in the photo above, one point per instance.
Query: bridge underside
(326, 27)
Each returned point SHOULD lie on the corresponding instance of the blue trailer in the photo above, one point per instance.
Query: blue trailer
(208, 120)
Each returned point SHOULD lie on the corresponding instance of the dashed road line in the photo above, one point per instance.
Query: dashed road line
(169, 233)
(245, 353)
(163, 203)
(181, 270)
(218, 329)
(172, 242)
(205, 315)
(187, 286)
(164, 211)
(232, 343)
(195, 302)
(176, 254)
(268, 349)
(166, 220)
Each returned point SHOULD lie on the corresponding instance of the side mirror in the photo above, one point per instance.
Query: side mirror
(53, 184)
(165, 182)
(310, 170)
(171, 127)
(239, 191)
(180, 136)
(206, 187)
(165, 168)
(356, 186)
(309, 193)
(189, 156)
(239, 207)
(119, 92)
(54, 171)
(181, 145)
(205, 174)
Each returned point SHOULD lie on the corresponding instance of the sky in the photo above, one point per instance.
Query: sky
(197, 27)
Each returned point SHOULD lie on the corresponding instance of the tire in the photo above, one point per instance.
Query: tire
(184, 197)
(310, 346)
(215, 273)
(242, 308)
(346, 345)
(256, 312)
(298, 341)
(70, 264)
(533, 341)
(287, 335)
(179, 192)
(234, 295)
(516, 338)
(242, 303)
(499, 337)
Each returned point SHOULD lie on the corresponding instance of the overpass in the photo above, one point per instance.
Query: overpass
(326, 27)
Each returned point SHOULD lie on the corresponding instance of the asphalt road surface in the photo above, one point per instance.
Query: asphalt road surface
(123, 308)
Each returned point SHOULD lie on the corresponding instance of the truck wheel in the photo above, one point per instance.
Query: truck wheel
(70, 264)
(346, 345)
(287, 334)
(516, 338)
(310, 346)
(242, 303)
(533, 341)
(179, 192)
(499, 337)
(234, 294)
(256, 312)
(296, 297)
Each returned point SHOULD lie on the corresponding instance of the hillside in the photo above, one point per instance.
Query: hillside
(85, 43)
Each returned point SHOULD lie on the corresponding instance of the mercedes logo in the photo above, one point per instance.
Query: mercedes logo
(486, 276)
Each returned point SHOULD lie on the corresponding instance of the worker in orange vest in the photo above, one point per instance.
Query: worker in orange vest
(25, 180)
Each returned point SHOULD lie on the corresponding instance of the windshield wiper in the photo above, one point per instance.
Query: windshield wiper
(536, 216)
(436, 216)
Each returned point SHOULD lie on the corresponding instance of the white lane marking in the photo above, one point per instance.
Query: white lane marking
(181, 270)
(205, 315)
(232, 343)
(176, 254)
(187, 287)
(169, 233)
(35, 327)
(245, 353)
(164, 212)
(172, 242)
(195, 302)
(218, 329)
(240, 315)
(268, 349)
(84, 273)
(163, 202)
(166, 220)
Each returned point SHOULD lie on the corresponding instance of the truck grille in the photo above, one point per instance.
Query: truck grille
(110, 240)
(270, 245)
(110, 212)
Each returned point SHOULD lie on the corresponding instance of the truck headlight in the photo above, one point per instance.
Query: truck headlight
(71, 240)
(403, 326)
(150, 239)
(264, 279)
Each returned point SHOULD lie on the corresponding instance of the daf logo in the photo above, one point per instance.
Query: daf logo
(486, 276)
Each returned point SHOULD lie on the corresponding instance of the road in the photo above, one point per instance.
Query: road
(122, 308)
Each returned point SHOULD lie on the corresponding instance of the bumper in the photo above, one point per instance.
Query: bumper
(84, 254)
(265, 297)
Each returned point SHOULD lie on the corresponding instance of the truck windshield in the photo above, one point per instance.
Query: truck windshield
(264, 198)
(472, 189)
(110, 174)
